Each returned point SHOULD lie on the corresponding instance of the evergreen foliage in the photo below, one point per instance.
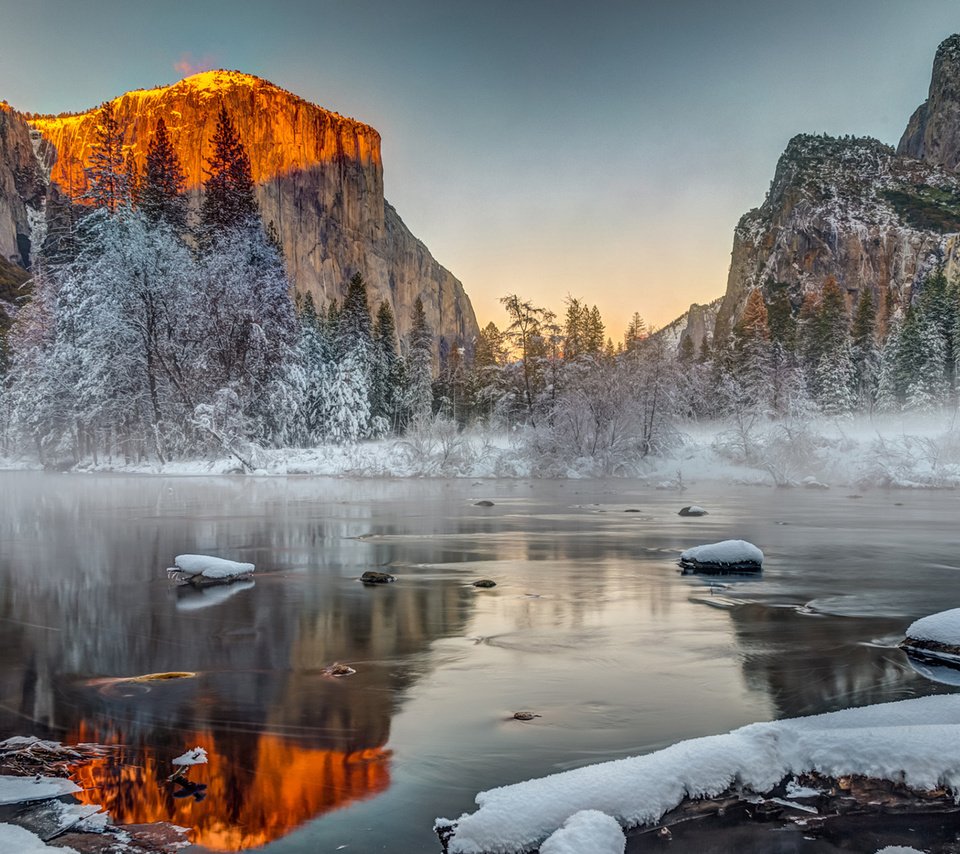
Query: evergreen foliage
(107, 174)
(162, 197)
(228, 193)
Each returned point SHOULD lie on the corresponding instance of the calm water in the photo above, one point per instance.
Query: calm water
(590, 626)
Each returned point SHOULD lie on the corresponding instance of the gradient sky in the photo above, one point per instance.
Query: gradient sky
(600, 149)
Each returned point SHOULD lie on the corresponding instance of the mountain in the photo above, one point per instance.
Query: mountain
(319, 182)
(856, 209)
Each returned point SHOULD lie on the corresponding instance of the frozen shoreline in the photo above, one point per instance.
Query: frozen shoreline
(892, 451)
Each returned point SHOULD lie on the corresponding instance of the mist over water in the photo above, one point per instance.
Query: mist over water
(590, 626)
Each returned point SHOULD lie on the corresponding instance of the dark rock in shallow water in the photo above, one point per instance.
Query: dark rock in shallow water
(525, 716)
(370, 577)
(692, 510)
(483, 503)
(485, 582)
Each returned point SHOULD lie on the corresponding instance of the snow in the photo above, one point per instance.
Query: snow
(727, 552)
(197, 756)
(587, 830)
(16, 790)
(916, 742)
(24, 842)
(900, 451)
(211, 567)
(899, 849)
(943, 627)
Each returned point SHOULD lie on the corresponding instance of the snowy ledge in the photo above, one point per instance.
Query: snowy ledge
(915, 743)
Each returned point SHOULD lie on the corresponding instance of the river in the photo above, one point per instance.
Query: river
(590, 626)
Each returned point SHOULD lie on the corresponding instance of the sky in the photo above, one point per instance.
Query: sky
(603, 150)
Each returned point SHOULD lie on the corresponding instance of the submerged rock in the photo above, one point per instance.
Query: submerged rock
(371, 577)
(483, 503)
(725, 556)
(525, 716)
(692, 510)
(485, 583)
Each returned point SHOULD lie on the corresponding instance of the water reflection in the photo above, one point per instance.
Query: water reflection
(84, 605)
(590, 626)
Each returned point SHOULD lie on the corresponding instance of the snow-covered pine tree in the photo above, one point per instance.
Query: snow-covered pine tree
(865, 353)
(751, 354)
(345, 414)
(419, 367)
(107, 174)
(386, 378)
(228, 193)
(889, 387)
(315, 356)
(162, 196)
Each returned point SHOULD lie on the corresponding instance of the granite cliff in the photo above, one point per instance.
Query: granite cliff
(856, 209)
(319, 181)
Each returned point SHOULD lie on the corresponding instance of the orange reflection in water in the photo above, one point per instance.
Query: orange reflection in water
(279, 787)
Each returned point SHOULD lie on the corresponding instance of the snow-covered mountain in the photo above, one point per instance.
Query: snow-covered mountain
(319, 182)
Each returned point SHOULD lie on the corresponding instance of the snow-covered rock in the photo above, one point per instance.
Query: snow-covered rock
(937, 635)
(692, 510)
(197, 756)
(211, 568)
(728, 554)
(914, 742)
(588, 830)
(19, 790)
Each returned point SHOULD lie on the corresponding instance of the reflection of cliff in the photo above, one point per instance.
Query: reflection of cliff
(246, 805)
(776, 646)
(84, 600)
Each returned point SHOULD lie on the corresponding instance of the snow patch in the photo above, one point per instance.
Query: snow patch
(915, 742)
(725, 553)
(197, 756)
(943, 627)
(24, 842)
(18, 790)
(587, 830)
(211, 567)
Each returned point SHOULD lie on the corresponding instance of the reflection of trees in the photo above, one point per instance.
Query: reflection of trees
(84, 597)
(812, 664)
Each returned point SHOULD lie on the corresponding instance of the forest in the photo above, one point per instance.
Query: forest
(157, 330)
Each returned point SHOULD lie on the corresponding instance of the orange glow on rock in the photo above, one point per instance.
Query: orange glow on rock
(276, 786)
(282, 132)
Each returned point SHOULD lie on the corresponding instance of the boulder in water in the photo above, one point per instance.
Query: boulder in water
(725, 556)
(692, 510)
(371, 577)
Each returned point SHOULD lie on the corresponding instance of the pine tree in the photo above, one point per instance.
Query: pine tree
(162, 196)
(419, 366)
(314, 356)
(106, 176)
(635, 333)
(865, 354)
(751, 357)
(386, 374)
(355, 323)
(228, 198)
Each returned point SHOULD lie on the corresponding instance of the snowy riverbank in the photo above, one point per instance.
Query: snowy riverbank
(881, 451)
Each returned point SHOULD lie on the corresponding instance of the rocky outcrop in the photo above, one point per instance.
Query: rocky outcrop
(933, 132)
(22, 188)
(319, 182)
(847, 207)
(854, 209)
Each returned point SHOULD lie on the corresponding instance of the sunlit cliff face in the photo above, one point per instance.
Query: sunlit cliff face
(282, 133)
(250, 800)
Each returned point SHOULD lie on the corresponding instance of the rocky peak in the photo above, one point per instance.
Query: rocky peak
(933, 132)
